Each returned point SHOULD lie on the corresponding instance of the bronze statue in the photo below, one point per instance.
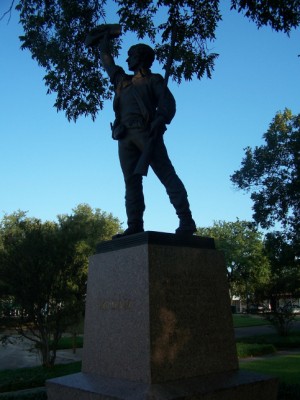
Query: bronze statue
(143, 106)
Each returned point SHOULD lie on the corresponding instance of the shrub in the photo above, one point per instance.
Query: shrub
(254, 350)
(282, 319)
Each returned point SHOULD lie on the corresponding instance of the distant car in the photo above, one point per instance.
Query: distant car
(257, 309)
(295, 309)
(290, 308)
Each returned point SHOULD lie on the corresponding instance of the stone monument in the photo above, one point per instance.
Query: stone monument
(158, 325)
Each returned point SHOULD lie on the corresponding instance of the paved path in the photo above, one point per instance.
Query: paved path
(18, 355)
(253, 331)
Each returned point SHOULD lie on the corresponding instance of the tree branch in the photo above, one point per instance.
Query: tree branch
(23, 333)
(8, 12)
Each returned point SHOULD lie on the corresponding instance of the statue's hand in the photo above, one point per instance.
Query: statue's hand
(158, 127)
(104, 43)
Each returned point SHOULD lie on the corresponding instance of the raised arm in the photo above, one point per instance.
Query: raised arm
(115, 72)
(107, 60)
(100, 37)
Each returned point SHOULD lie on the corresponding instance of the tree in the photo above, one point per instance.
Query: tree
(285, 271)
(281, 15)
(284, 285)
(246, 262)
(54, 33)
(271, 173)
(44, 266)
(29, 265)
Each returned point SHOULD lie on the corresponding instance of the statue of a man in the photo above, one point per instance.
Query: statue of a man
(143, 106)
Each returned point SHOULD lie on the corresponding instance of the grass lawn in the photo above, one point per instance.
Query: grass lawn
(286, 368)
(25, 378)
(292, 341)
(68, 343)
(244, 320)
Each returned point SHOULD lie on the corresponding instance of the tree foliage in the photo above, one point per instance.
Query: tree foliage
(44, 267)
(191, 24)
(285, 269)
(54, 33)
(281, 15)
(246, 261)
(271, 173)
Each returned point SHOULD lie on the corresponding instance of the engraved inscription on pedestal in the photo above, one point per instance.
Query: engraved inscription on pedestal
(117, 305)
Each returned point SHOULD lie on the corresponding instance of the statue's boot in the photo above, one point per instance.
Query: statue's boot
(187, 225)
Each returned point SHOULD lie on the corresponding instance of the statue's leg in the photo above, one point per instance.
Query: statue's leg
(129, 155)
(165, 171)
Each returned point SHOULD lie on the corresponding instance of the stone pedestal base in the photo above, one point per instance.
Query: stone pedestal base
(158, 323)
(238, 385)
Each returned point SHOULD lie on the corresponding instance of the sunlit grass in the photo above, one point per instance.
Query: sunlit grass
(286, 368)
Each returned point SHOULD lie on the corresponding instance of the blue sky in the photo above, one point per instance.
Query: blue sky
(49, 165)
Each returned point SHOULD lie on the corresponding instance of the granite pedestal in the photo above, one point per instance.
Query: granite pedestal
(158, 323)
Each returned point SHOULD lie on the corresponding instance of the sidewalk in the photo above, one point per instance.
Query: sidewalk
(254, 331)
(19, 355)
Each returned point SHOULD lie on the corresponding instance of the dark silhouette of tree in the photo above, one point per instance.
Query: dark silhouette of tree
(247, 265)
(271, 173)
(43, 266)
(55, 30)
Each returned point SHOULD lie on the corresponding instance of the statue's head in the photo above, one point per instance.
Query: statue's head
(140, 56)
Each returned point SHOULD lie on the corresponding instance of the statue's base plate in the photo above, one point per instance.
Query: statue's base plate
(237, 385)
